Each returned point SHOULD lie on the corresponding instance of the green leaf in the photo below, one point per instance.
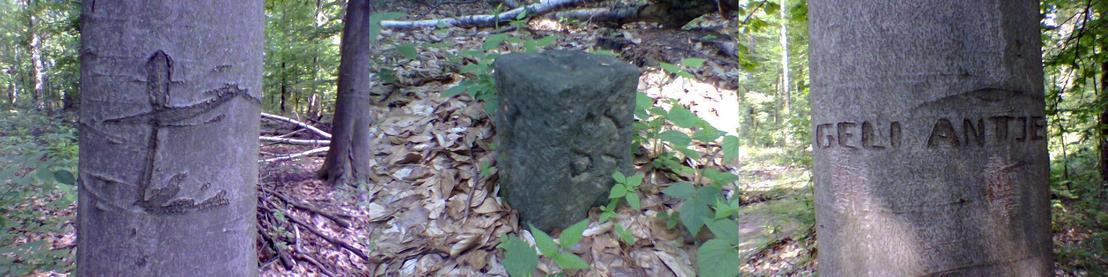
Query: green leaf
(717, 257)
(676, 138)
(617, 191)
(692, 154)
(725, 229)
(633, 200)
(407, 50)
(486, 169)
(671, 68)
(682, 190)
(724, 209)
(493, 41)
(730, 148)
(619, 177)
(65, 177)
(519, 258)
(694, 209)
(624, 235)
(572, 234)
(707, 133)
(682, 117)
(457, 89)
(692, 62)
(635, 180)
(570, 261)
(546, 244)
(718, 177)
(606, 215)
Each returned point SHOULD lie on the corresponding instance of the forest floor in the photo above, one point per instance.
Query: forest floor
(775, 216)
(430, 211)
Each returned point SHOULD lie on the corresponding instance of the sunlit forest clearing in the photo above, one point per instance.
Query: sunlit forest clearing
(389, 132)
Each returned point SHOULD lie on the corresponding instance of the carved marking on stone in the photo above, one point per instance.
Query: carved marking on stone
(164, 199)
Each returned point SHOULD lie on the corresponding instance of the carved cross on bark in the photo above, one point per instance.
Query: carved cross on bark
(164, 199)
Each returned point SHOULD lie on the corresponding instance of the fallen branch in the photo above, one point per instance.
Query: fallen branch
(485, 20)
(297, 123)
(295, 141)
(282, 255)
(333, 241)
(338, 219)
(297, 155)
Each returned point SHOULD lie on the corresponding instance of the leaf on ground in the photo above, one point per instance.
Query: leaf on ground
(407, 50)
(692, 62)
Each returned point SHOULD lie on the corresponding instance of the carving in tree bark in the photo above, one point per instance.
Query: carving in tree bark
(930, 153)
(168, 138)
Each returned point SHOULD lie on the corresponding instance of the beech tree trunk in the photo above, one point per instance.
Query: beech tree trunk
(347, 160)
(929, 138)
(170, 103)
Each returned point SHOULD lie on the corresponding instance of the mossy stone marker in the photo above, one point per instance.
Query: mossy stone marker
(563, 125)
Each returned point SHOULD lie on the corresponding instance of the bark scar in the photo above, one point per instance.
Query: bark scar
(159, 77)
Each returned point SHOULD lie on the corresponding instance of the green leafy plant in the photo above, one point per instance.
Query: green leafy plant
(476, 65)
(626, 188)
(520, 258)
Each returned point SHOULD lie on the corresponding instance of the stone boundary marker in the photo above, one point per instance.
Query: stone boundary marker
(563, 125)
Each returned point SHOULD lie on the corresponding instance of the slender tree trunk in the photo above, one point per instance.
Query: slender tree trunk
(1104, 133)
(39, 94)
(168, 140)
(785, 89)
(929, 138)
(348, 159)
(284, 88)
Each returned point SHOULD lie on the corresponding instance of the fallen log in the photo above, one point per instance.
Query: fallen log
(297, 155)
(484, 20)
(311, 128)
(295, 141)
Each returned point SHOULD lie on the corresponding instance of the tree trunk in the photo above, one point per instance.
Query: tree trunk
(38, 96)
(348, 159)
(1104, 134)
(930, 138)
(284, 88)
(785, 73)
(169, 127)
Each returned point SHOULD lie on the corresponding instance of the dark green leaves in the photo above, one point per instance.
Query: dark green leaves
(717, 257)
(572, 234)
(519, 258)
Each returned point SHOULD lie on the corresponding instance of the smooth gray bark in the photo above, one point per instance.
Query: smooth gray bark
(347, 161)
(930, 139)
(170, 95)
(563, 126)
